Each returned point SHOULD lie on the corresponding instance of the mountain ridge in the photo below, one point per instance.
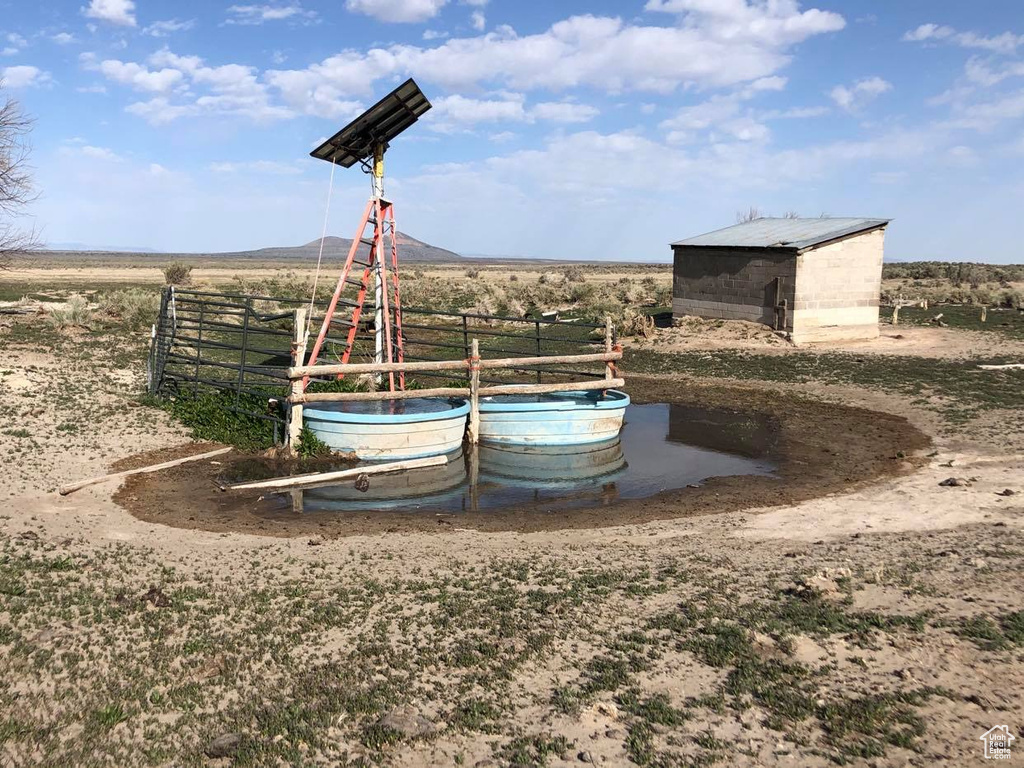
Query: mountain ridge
(410, 249)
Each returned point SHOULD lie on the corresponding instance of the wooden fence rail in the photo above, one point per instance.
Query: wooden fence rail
(299, 374)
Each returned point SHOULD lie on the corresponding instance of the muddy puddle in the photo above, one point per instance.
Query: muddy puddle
(697, 453)
(662, 447)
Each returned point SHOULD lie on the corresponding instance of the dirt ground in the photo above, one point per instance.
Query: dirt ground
(855, 612)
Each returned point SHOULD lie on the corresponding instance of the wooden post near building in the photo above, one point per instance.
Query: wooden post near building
(298, 385)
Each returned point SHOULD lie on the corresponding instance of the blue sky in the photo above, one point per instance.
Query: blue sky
(600, 129)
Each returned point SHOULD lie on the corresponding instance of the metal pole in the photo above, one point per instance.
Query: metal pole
(378, 266)
(245, 344)
(199, 347)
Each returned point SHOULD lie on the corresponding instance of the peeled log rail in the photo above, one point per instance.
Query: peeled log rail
(347, 397)
(316, 478)
(64, 490)
(1008, 367)
(501, 389)
(543, 389)
(512, 362)
(356, 368)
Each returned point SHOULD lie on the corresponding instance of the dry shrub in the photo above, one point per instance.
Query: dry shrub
(285, 285)
(74, 313)
(178, 273)
(132, 307)
(633, 323)
(574, 273)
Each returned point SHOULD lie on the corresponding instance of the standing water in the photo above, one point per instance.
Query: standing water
(661, 447)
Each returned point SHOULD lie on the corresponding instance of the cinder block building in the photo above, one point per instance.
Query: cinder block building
(818, 279)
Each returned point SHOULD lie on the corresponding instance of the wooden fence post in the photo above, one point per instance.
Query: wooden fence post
(609, 368)
(298, 359)
(984, 314)
(474, 393)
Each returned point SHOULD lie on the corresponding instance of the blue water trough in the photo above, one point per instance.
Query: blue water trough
(561, 418)
(390, 429)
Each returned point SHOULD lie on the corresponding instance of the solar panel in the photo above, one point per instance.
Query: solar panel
(379, 124)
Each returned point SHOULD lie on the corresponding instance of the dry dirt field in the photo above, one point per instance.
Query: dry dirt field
(855, 611)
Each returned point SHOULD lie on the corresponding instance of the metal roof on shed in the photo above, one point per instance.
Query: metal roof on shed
(784, 234)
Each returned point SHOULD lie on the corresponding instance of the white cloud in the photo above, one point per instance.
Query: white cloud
(91, 89)
(98, 153)
(23, 76)
(230, 89)
(260, 14)
(434, 34)
(159, 111)
(987, 115)
(270, 167)
(600, 52)
(461, 110)
(478, 21)
(398, 11)
(778, 21)
(16, 40)
(168, 27)
(962, 156)
(63, 38)
(603, 169)
(725, 116)
(564, 112)
(1007, 42)
(795, 113)
(77, 148)
(9, 51)
(120, 12)
(860, 93)
(139, 77)
(929, 32)
(979, 71)
(452, 113)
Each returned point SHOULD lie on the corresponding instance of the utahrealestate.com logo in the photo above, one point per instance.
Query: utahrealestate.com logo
(997, 742)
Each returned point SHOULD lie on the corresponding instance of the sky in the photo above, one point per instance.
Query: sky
(577, 129)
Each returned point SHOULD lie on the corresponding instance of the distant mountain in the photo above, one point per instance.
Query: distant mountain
(409, 249)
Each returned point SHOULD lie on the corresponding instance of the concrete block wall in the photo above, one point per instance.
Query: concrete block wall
(837, 290)
(731, 284)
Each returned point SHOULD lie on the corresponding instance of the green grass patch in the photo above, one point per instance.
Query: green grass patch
(222, 417)
(994, 634)
(533, 750)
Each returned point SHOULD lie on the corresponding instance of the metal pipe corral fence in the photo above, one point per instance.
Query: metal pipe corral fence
(245, 346)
